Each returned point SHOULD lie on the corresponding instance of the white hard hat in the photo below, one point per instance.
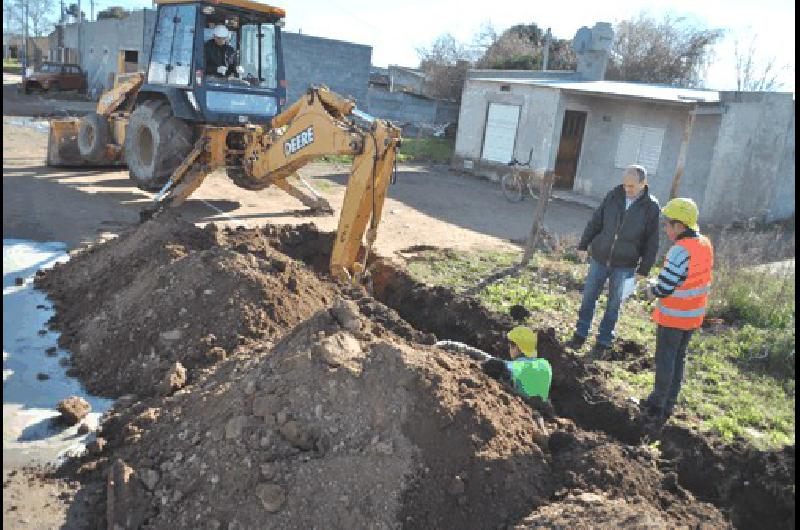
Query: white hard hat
(221, 31)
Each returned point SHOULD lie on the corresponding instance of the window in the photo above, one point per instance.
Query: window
(171, 59)
(268, 77)
(639, 145)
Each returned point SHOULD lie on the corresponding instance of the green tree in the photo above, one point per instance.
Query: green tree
(117, 12)
(521, 47)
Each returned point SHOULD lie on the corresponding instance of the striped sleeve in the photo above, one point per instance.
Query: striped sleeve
(674, 272)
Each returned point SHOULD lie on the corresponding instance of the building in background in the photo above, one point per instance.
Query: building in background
(732, 152)
(402, 95)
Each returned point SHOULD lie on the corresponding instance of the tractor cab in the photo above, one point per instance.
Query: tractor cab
(185, 57)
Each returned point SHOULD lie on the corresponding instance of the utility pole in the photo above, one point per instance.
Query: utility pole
(546, 54)
(60, 34)
(91, 12)
(80, 27)
(25, 39)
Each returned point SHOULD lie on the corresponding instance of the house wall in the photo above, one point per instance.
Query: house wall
(752, 169)
(102, 40)
(782, 205)
(597, 172)
(539, 108)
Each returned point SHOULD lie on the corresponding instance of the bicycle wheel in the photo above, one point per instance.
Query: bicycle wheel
(512, 187)
(532, 188)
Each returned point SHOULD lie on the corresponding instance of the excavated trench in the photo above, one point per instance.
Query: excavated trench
(755, 488)
(225, 297)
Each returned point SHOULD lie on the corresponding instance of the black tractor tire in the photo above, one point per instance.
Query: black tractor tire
(94, 134)
(156, 142)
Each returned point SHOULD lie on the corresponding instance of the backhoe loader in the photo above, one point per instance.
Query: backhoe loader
(176, 123)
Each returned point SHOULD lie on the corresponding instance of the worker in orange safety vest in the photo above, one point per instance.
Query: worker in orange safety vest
(682, 290)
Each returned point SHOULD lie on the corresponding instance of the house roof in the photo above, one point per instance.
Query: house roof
(622, 89)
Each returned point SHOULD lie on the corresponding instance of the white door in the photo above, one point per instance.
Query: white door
(501, 131)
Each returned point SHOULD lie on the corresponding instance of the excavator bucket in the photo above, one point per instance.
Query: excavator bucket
(62, 143)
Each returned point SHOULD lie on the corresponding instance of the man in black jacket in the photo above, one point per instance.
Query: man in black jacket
(221, 58)
(622, 241)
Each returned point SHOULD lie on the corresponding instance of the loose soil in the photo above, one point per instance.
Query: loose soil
(311, 404)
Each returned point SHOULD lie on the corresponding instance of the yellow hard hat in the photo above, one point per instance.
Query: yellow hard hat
(683, 210)
(524, 338)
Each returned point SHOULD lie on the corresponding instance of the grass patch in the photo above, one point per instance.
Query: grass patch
(12, 66)
(433, 150)
(337, 159)
(739, 379)
(758, 298)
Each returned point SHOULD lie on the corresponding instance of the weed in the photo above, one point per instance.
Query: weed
(739, 379)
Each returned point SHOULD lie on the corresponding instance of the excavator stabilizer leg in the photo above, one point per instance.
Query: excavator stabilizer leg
(314, 201)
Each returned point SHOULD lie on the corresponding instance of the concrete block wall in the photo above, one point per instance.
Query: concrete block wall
(342, 66)
(400, 107)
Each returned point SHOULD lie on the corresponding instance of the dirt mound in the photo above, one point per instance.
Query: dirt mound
(312, 405)
(336, 427)
(166, 293)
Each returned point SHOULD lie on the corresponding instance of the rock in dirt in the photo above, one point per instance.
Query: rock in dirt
(235, 427)
(19, 281)
(561, 440)
(83, 429)
(126, 505)
(346, 314)
(149, 478)
(340, 349)
(272, 496)
(175, 379)
(42, 376)
(296, 435)
(73, 409)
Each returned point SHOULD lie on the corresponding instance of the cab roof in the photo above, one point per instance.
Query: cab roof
(241, 4)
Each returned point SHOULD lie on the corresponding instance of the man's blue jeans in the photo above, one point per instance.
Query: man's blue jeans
(671, 345)
(595, 282)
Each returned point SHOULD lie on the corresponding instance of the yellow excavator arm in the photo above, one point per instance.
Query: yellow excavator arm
(319, 123)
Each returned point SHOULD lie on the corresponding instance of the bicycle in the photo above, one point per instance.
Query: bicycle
(515, 183)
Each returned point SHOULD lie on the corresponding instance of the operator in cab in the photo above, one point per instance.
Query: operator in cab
(220, 56)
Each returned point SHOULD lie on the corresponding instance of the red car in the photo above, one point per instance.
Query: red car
(55, 77)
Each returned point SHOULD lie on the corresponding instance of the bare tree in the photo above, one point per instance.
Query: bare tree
(671, 50)
(39, 15)
(445, 63)
(755, 74)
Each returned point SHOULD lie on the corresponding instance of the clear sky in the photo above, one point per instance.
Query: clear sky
(396, 29)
